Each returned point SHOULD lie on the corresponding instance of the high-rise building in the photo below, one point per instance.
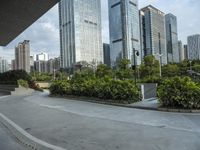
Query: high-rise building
(40, 66)
(80, 32)
(153, 33)
(124, 31)
(42, 57)
(22, 56)
(185, 47)
(53, 65)
(3, 65)
(194, 47)
(181, 51)
(172, 38)
(106, 54)
(13, 64)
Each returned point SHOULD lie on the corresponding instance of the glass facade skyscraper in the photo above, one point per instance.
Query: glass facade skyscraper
(80, 32)
(124, 31)
(153, 37)
(194, 47)
(172, 38)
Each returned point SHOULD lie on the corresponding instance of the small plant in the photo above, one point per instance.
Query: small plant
(23, 83)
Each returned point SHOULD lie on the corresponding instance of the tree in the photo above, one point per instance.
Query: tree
(103, 70)
(170, 70)
(124, 71)
(149, 67)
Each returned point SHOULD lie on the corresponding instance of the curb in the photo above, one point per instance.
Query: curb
(85, 99)
(25, 138)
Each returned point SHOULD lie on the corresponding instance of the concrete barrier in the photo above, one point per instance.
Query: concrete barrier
(25, 138)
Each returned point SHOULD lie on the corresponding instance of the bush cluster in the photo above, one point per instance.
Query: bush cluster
(179, 92)
(105, 88)
(11, 77)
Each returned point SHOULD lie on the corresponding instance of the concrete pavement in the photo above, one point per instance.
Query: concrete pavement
(7, 142)
(81, 125)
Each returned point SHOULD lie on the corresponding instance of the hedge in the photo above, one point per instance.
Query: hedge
(116, 90)
(179, 92)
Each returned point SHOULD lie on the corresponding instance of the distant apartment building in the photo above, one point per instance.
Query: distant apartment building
(193, 43)
(153, 32)
(53, 65)
(31, 64)
(22, 56)
(80, 32)
(42, 57)
(3, 65)
(47, 66)
(181, 51)
(185, 47)
(124, 31)
(41, 66)
(106, 54)
(172, 38)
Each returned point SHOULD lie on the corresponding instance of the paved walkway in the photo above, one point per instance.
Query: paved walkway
(151, 104)
(78, 125)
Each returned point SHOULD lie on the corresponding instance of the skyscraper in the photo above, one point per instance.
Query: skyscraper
(181, 51)
(194, 47)
(80, 32)
(106, 54)
(172, 38)
(124, 31)
(153, 33)
(3, 65)
(22, 56)
(185, 52)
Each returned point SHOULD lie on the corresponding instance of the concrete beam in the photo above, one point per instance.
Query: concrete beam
(17, 15)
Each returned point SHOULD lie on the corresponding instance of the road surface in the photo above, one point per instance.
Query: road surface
(78, 125)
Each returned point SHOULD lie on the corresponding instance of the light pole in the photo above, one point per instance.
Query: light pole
(160, 61)
(135, 52)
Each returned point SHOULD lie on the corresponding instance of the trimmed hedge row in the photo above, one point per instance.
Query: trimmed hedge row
(116, 90)
(179, 92)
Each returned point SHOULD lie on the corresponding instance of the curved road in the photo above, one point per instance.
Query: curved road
(77, 125)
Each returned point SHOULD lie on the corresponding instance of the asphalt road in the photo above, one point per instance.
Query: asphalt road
(7, 142)
(77, 125)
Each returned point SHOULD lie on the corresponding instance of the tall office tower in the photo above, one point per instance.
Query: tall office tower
(13, 67)
(80, 32)
(106, 54)
(153, 33)
(22, 56)
(124, 31)
(185, 47)
(42, 57)
(3, 65)
(172, 38)
(194, 47)
(181, 51)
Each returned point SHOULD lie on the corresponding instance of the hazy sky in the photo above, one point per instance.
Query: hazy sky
(44, 34)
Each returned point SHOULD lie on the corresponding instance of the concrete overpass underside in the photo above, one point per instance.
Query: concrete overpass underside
(17, 15)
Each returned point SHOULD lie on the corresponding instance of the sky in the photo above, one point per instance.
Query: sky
(44, 33)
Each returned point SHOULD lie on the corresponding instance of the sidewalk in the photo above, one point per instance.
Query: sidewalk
(150, 104)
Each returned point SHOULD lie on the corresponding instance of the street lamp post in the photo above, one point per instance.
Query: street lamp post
(136, 52)
(160, 60)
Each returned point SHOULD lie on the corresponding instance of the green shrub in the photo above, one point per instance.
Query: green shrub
(23, 83)
(11, 77)
(106, 88)
(179, 92)
(60, 88)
